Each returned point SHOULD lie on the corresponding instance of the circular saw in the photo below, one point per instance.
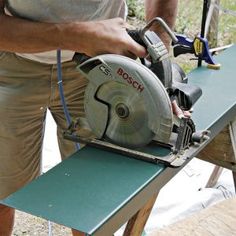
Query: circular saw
(125, 102)
(128, 104)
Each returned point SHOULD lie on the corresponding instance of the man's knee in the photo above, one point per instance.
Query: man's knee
(5, 210)
(7, 214)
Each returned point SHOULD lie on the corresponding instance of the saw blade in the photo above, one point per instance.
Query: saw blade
(128, 116)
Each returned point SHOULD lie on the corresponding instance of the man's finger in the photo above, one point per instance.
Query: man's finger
(137, 49)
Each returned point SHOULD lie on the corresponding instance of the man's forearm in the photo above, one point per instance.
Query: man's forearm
(19, 35)
(92, 38)
(166, 9)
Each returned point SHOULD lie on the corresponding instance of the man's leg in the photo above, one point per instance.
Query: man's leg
(74, 86)
(77, 233)
(23, 101)
(6, 219)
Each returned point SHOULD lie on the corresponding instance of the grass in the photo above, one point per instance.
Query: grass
(227, 24)
(189, 20)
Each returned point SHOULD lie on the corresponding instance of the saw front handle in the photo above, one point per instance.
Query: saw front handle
(157, 50)
(162, 23)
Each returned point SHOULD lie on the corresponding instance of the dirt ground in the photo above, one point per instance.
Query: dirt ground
(28, 225)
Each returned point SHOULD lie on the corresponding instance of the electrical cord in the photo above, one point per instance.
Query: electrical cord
(61, 92)
(66, 112)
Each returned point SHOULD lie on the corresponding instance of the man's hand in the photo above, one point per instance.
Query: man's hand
(178, 111)
(99, 37)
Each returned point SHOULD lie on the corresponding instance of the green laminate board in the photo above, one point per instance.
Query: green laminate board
(88, 188)
(217, 105)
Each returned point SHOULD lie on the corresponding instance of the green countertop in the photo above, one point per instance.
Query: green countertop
(92, 185)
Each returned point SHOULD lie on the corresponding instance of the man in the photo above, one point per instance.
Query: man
(30, 32)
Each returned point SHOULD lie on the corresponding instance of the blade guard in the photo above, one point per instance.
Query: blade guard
(110, 67)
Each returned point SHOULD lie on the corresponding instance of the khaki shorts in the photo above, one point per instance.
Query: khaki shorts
(27, 90)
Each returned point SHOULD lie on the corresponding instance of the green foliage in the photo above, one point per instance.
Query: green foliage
(227, 23)
(189, 18)
(188, 22)
(132, 5)
(136, 9)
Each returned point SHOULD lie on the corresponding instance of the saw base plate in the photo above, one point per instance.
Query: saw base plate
(175, 152)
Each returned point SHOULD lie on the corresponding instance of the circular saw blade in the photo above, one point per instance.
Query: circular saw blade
(128, 116)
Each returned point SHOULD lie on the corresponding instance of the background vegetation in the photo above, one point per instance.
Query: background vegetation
(189, 22)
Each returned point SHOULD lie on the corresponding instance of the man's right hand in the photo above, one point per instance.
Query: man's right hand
(99, 37)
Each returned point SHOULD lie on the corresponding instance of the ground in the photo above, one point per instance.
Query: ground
(28, 225)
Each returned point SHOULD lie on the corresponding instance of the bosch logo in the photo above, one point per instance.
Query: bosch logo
(130, 80)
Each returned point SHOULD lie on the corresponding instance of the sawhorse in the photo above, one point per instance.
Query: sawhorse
(221, 151)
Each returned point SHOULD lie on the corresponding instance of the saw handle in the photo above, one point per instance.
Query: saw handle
(135, 35)
(80, 58)
(162, 23)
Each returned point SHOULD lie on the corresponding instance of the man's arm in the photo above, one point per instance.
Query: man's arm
(91, 38)
(167, 10)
